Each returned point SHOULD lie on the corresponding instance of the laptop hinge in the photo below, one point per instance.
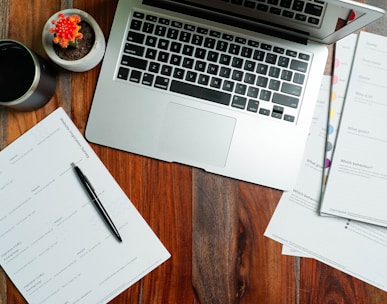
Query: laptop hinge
(220, 16)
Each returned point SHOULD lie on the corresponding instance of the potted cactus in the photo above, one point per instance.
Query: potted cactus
(73, 40)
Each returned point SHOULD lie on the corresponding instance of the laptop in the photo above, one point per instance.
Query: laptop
(229, 86)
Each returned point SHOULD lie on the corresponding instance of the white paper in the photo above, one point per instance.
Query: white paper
(317, 129)
(344, 53)
(53, 244)
(355, 248)
(357, 182)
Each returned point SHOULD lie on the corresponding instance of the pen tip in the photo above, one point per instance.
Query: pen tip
(73, 164)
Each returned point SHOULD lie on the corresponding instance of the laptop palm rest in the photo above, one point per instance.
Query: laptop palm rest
(194, 136)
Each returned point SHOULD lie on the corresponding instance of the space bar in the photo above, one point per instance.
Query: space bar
(200, 92)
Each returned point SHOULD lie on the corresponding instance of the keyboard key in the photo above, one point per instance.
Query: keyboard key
(274, 84)
(191, 76)
(123, 73)
(161, 82)
(212, 69)
(212, 56)
(249, 65)
(216, 82)
(134, 62)
(148, 28)
(291, 89)
(147, 79)
(252, 92)
(298, 5)
(151, 41)
(136, 24)
(240, 89)
(154, 67)
(209, 43)
(228, 86)
(197, 40)
(246, 52)
(265, 95)
(203, 79)
(271, 58)
(274, 72)
(188, 62)
(200, 66)
(304, 56)
(151, 18)
(200, 92)
(252, 105)
(239, 102)
(221, 46)
(135, 76)
(313, 9)
(134, 49)
(263, 111)
(136, 37)
(262, 69)
(249, 78)
(299, 78)
(262, 81)
(225, 59)
(225, 72)
(166, 70)
(298, 65)
(172, 33)
(289, 118)
(163, 44)
(164, 21)
(200, 53)
(163, 57)
(188, 50)
(185, 36)
(178, 73)
(286, 75)
(160, 30)
(151, 54)
(237, 62)
(175, 59)
(237, 75)
(285, 100)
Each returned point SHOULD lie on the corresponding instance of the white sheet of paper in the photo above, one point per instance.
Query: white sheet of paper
(318, 126)
(53, 244)
(353, 247)
(357, 182)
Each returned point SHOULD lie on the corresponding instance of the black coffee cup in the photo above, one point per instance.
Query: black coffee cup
(27, 81)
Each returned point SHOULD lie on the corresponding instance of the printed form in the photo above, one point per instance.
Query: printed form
(353, 247)
(357, 183)
(54, 245)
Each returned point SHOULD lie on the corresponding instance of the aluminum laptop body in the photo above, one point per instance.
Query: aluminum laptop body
(150, 109)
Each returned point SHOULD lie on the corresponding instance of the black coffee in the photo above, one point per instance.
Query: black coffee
(17, 72)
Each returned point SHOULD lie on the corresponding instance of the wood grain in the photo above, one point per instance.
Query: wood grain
(213, 226)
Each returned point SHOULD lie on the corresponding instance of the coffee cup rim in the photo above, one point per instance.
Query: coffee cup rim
(35, 81)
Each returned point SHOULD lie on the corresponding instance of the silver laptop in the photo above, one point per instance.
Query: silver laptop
(228, 86)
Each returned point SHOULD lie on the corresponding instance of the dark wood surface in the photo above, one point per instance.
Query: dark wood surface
(213, 226)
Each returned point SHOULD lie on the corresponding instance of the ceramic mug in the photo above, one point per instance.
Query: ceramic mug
(27, 81)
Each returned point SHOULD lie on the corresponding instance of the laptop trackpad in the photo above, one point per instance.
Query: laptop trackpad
(193, 135)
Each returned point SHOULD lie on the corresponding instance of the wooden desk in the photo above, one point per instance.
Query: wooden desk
(213, 226)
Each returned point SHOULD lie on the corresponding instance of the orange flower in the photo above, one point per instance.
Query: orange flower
(66, 30)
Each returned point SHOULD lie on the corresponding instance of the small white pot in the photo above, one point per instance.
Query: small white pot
(91, 59)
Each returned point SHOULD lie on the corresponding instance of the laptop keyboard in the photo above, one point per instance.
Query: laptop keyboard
(304, 11)
(219, 67)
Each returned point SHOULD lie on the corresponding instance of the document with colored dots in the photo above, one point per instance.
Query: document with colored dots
(356, 187)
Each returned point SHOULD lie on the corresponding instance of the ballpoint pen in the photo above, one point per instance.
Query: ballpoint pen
(91, 192)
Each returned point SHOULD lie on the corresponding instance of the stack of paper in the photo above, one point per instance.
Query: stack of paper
(355, 247)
